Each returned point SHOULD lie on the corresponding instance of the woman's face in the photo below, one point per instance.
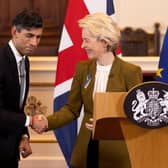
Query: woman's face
(94, 48)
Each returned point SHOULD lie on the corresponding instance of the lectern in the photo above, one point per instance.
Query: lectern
(148, 148)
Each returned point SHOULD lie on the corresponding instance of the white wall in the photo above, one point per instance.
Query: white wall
(142, 13)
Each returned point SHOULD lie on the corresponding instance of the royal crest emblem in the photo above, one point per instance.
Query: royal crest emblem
(147, 105)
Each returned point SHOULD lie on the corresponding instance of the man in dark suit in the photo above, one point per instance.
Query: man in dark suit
(26, 32)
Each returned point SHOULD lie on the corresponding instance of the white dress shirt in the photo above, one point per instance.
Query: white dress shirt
(101, 78)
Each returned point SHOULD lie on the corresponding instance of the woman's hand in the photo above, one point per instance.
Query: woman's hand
(89, 125)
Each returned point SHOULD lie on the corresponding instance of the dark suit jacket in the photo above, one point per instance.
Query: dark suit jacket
(123, 76)
(12, 118)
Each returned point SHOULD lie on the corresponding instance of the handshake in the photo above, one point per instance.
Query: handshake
(38, 123)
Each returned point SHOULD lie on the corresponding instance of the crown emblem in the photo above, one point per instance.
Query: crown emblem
(153, 94)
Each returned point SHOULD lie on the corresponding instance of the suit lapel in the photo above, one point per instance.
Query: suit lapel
(13, 68)
(27, 77)
(14, 72)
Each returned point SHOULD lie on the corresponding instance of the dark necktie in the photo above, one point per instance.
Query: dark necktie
(22, 80)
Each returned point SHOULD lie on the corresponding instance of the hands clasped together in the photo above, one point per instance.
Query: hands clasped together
(39, 123)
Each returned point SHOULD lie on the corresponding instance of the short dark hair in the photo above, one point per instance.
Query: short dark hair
(27, 19)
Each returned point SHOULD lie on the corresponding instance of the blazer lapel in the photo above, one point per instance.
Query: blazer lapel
(113, 76)
(88, 87)
(92, 72)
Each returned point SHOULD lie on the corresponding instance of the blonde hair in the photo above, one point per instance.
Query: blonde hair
(103, 27)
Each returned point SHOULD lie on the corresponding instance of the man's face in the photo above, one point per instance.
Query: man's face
(26, 41)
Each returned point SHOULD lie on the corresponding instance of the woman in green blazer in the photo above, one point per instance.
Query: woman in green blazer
(102, 72)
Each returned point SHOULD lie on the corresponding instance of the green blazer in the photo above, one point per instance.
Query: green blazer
(123, 76)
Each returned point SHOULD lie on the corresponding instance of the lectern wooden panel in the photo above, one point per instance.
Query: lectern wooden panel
(148, 148)
(106, 121)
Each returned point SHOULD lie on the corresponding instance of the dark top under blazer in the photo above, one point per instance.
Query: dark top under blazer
(12, 118)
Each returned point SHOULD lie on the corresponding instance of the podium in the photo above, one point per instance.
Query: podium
(147, 148)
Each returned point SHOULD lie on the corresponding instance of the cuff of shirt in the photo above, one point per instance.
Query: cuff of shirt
(27, 121)
(25, 136)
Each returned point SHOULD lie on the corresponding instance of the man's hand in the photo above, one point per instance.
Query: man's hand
(24, 147)
(39, 123)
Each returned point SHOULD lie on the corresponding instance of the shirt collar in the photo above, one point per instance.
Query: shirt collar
(17, 55)
(103, 68)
